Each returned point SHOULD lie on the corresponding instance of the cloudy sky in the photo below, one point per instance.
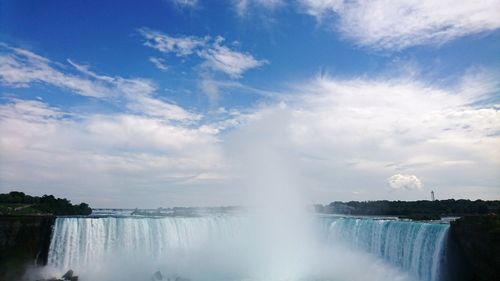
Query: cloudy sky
(164, 103)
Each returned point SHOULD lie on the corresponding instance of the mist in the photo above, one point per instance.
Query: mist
(260, 152)
(207, 249)
(276, 238)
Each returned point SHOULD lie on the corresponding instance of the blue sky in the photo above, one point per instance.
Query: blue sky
(119, 104)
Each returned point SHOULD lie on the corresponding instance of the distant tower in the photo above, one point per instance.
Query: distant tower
(432, 195)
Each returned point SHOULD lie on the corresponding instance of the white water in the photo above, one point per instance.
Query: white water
(231, 248)
(415, 247)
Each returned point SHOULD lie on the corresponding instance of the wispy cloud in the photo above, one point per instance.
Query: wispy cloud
(156, 107)
(395, 25)
(159, 63)
(185, 3)
(233, 63)
(148, 143)
(21, 68)
(242, 6)
(180, 46)
(31, 110)
(212, 87)
(215, 55)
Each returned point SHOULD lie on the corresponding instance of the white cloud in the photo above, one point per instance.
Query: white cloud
(150, 144)
(213, 88)
(185, 3)
(210, 88)
(233, 63)
(181, 46)
(30, 110)
(216, 56)
(159, 63)
(395, 25)
(350, 134)
(20, 68)
(242, 6)
(341, 135)
(405, 182)
(85, 70)
(99, 154)
(157, 108)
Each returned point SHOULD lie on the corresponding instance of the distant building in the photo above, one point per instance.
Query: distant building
(432, 195)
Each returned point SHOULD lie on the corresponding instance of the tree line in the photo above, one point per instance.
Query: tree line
(16, 202)
(448, 207)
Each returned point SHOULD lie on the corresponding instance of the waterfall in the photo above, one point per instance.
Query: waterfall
(415, 247)
(84, 244)
(79, 242)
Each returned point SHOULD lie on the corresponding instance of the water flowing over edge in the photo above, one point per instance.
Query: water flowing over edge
(414, 247)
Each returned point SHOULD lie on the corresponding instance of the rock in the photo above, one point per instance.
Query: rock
(68, 275)
(24, 240)
(157, 276)
(478, 240)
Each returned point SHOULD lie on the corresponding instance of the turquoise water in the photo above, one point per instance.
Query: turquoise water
(231, 247)
(416, 247)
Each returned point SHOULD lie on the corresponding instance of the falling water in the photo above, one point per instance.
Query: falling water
(416, 247)
(187, 245)
(79, 242)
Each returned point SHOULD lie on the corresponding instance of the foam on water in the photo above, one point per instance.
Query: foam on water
(416, 247)
(230, 247)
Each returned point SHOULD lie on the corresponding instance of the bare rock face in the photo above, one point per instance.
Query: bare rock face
(24, 240)
(478, 241)
(69, 276)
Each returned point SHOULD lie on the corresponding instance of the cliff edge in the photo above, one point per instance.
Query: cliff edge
(24, 240)
(478, 243)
